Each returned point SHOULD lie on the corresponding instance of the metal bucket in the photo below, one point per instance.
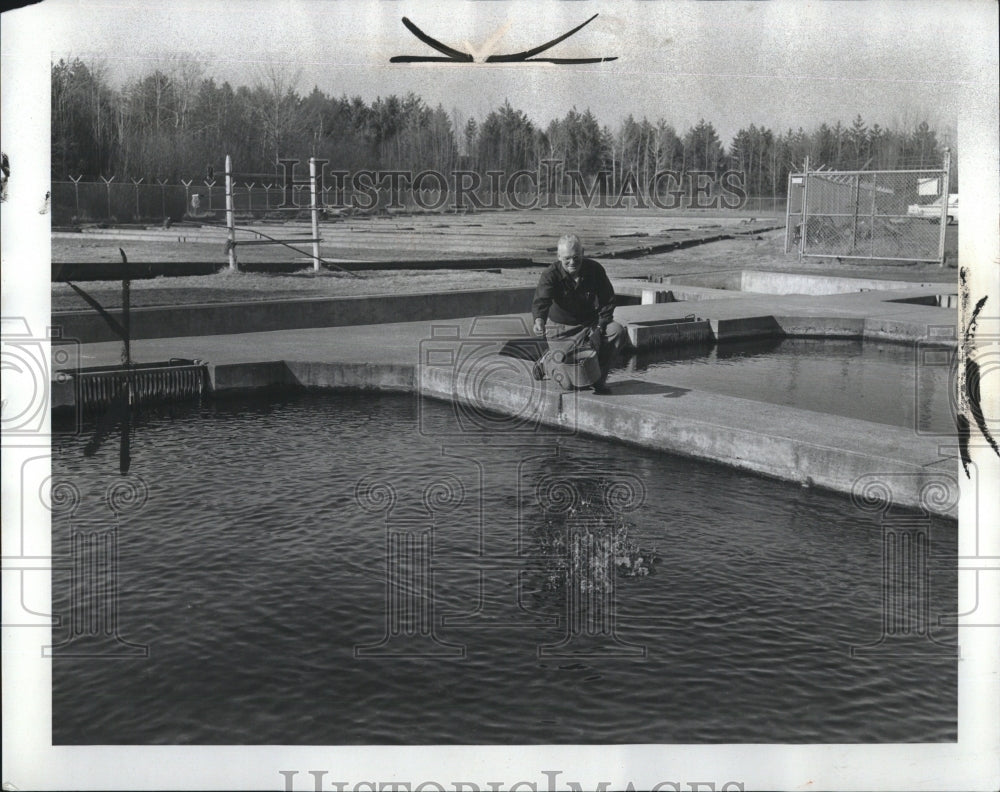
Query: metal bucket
(578, 368)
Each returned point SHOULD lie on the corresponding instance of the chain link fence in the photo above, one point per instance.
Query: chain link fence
(890, 215)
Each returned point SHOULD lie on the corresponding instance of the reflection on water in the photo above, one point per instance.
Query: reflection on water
(351, 569)
(883, 382)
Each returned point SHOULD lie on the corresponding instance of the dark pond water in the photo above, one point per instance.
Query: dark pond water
(258, 589)
(884, 382)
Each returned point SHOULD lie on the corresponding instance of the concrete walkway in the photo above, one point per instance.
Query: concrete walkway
(460, 360)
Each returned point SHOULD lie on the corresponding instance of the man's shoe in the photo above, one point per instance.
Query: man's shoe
(601, 388)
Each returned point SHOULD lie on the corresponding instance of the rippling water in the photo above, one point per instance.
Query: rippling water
(884, 382)
(254, 570)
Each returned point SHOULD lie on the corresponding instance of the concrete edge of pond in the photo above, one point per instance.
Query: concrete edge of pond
(814, 449)
(849, 456)
(844, 455)
(814, 284)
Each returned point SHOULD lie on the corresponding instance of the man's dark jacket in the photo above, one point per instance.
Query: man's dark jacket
(590, 302)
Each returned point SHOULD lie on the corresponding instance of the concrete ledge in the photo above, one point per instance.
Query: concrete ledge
(781, 444)
(642, 292)
(494, 384)
(244, 376)
(825, 326)
(745, 327)
(365, 376)
(383, 377)
(233, 318)
(759, 282)
(645, 335)
(696, 293)
(813, 449)
(676, 292)
(796, 283)
(665, 332)
(728, 280)
(888, 328)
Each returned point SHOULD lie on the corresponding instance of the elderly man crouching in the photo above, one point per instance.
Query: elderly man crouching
(574, 307)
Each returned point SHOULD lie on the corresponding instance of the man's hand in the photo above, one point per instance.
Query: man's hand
(539, 327)
(595, 337)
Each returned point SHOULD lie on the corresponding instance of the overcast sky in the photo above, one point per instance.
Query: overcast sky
(780, 64)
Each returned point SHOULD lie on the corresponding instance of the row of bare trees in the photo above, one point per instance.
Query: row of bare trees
(177, 122)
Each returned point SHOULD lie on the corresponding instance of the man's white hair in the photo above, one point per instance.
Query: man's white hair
(573, 241)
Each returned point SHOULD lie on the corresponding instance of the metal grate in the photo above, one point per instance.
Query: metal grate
(96, 388)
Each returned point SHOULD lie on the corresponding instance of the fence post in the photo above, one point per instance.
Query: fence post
(76, 194)
(163, 196)
(210, 185)
(944, 204)
(788, 210)
(136, 183)
(871, 221)
(314, 205)
(187, 195)
(107, 184)
(230, 214)
(805, 206)
(854, 226)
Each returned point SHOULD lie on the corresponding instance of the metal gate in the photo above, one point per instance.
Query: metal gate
(896, 215)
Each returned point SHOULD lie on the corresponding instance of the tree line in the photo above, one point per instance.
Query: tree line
(176, 123)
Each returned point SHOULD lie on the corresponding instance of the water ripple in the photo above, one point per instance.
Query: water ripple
(260, 586)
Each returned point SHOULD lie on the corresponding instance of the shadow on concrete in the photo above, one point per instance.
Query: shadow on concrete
(524, 348)
(633, 387)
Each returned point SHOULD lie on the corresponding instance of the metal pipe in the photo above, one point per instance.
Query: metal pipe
(854, 225)
(805, 207)
(788, 209)
(946, 178)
